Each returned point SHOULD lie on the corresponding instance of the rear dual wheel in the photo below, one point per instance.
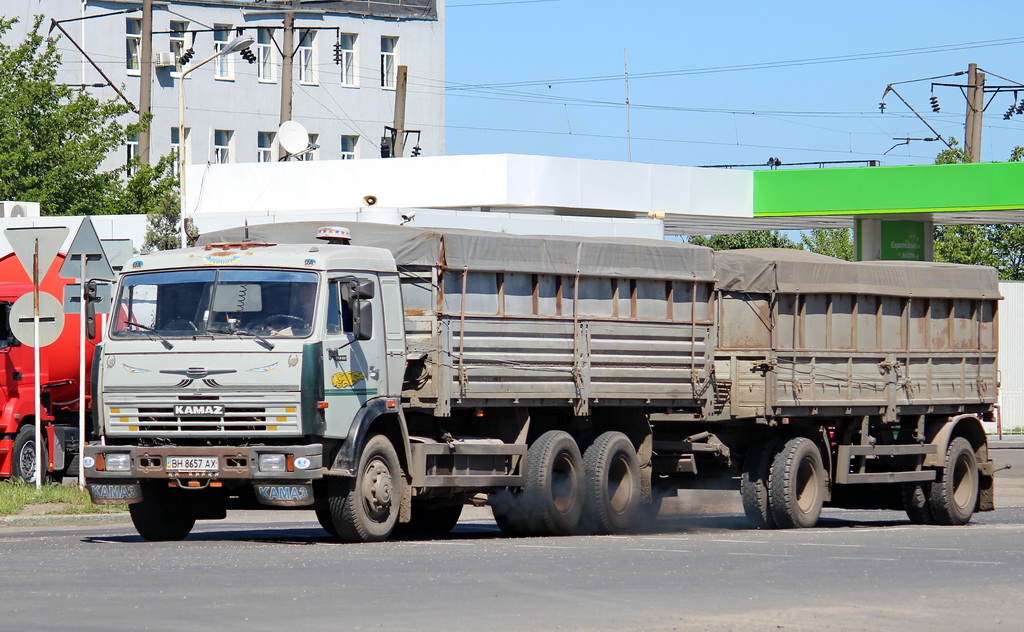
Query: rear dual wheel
(783, 484)
(613, 484)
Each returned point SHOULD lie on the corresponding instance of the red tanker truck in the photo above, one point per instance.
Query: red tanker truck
(59, 367)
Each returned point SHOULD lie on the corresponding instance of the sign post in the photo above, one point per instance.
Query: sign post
(36, 249)
(92, 263)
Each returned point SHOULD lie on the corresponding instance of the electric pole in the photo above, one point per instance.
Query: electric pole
(287, 54)
(145, 79)
(975, 109)
(400, 88)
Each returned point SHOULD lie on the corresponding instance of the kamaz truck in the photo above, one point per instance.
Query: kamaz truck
(384, 377)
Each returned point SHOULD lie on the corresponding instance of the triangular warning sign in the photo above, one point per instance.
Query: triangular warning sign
(23, 241)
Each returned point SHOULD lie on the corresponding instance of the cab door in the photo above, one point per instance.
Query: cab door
(355, 369)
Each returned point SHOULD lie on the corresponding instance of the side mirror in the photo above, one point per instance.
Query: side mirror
(357, 294)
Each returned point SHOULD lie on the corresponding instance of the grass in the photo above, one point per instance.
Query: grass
(15, 494)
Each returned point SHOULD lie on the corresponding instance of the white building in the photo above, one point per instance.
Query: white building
(346, 55)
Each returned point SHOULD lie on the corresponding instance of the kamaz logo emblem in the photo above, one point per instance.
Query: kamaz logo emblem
(198, 409)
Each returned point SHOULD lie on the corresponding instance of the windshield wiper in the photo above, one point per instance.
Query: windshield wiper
(245, 332)
(166, 343)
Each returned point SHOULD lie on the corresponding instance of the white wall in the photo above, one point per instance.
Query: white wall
(1011, 360)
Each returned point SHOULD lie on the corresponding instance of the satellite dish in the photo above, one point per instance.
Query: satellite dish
(293, 137)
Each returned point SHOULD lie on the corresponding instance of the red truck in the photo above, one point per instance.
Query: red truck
(59, 377)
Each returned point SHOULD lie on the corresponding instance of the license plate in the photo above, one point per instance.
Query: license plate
(192, 464)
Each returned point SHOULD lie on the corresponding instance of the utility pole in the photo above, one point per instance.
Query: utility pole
(975, 110)
(400, 89)
(145, 79)
(287, 54)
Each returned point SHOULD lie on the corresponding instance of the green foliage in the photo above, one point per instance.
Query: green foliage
(749, 239)
(15, 494)
(53, 139)
(834, 242)
(998, 245)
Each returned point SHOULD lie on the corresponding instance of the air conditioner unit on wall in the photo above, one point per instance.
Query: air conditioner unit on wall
(165, 59)
(19, 209)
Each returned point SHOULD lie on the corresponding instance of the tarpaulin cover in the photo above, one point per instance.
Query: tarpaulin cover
(483, 251)
(801, 272)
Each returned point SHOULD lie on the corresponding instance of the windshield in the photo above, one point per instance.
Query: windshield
(186, 303)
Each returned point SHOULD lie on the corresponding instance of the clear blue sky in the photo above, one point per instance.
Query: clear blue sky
(724, 82)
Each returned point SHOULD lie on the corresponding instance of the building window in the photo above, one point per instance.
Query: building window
(178, 31)
(133, 45)
(264, 143)
(388, 48)
(265, 68)
(222, 64)
(222, 146)
(348, 147)
(347, 58)
(176, 147)
(314, 149)
(132, 154)
(307, 56)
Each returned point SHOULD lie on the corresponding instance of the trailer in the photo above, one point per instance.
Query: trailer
(856, 385)
(569, 383)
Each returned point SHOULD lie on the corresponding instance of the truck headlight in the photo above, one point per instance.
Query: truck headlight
(118, 462)
(272, 463)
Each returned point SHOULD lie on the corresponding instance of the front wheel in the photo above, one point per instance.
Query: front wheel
(23, 465)
(365, 508)
(954, 496)
(796, 484)
(157, 517)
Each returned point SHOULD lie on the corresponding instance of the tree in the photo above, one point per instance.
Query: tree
(998, 245)
(834, 242)
(53, 139)
(163, 225)
(749, 239)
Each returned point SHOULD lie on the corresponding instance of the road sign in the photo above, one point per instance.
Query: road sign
(23, 243)
(86, 245)
(51, 319)
(73, 298)
(119, 251)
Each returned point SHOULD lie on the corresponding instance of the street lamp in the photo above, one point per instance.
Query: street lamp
(239, 43)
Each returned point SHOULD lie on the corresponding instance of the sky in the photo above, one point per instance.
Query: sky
(726, 83)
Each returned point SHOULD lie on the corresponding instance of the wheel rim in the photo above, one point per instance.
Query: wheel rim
(963, 483)
(807, 488)
(564, 484)
(377, 487)
(27, 460)
(620, 489)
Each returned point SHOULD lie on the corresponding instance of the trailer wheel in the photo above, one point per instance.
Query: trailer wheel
(157, 518)
(431, 518)
(754, 484)
(915, 502)
(555, 488)
(613, 484)
(23, 465)
(796, 484)
(954, 496)
(365, 508)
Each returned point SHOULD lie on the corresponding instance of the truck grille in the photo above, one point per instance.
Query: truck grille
(240, 414)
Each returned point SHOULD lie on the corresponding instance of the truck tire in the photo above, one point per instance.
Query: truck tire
(365, 508)
(612, 484)
(506, 506)
(157, 517)
(323, 516)
(796, 484)
(555, 489)
(754, 484)
(953, 497)
(431, 518)
(23, 465)
(916, 503)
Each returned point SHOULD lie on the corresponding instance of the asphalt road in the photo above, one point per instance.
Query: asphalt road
(699, 570)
